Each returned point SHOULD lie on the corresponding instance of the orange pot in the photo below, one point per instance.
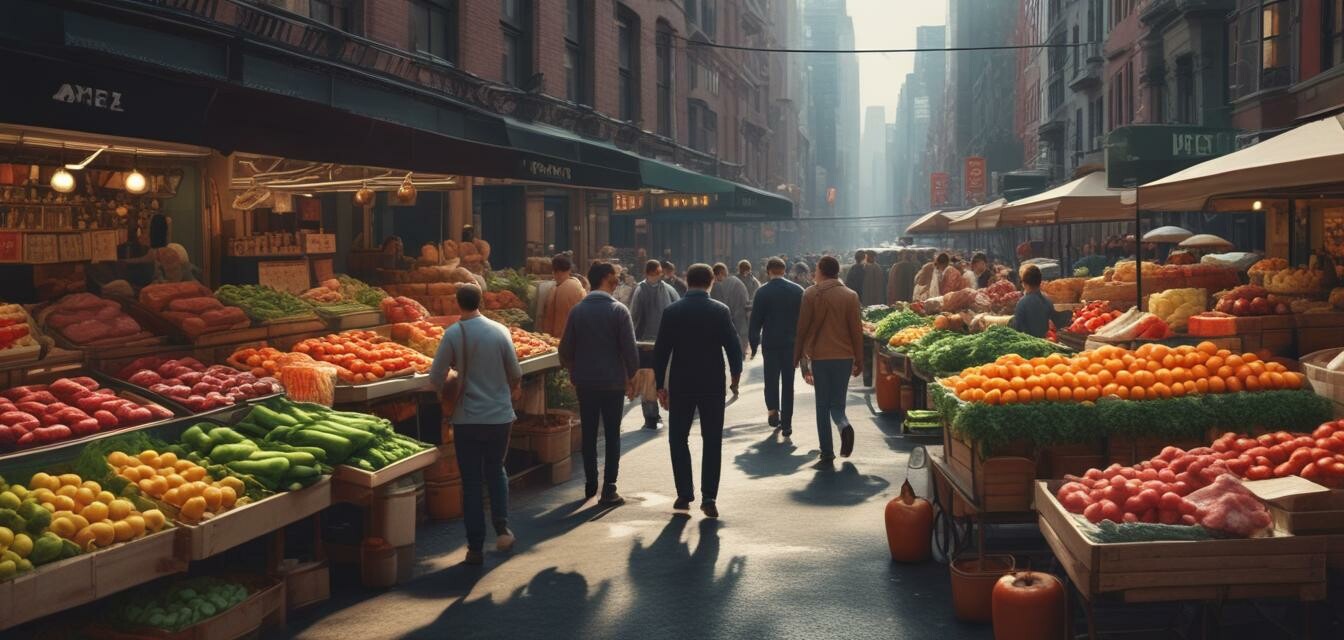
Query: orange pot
(888, 388)
(909, 526)
(444, 499)
(1028, 605)
(973, 581)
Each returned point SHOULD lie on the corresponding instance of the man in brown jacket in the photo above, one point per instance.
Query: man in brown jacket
(829, 348)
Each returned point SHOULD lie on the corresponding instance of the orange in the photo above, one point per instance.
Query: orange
(1128, 359)
(977, 395)
(1199, 371)
(1008, 397)
(1223, 353)
(960, 388)
(1065, 394)
(1233, 384)
(1252, 383)
(1267, 380)
(1109, 389)
(1225, 371)
(1292, 380)
(1105, 377)
(1122, 392)
(1037, 394)
(1249, 358)
(1164, 376)
(1069, 380)
(1257, 368)
(1161, 390)
(1033, 381)
(1053, 379)
(1208, 347)
(1137, 393)
(1180, 374)
(1213, 363)
(1124, 379)
(1144, 379)
(1153, 365)
(1215, 385)
(1017, 383)
(1169, 361)
(1080, 394)
(1243, 372)
(1094, 368)
(1144, 350)
(1042, 369)
(1052, 394)
(1060, 369)
(1178, 389)
(993, 397)
(1234, 361)
(1114, 366)
(964, 395)
(1054, 359)
(1275, 367)
(1202, 385)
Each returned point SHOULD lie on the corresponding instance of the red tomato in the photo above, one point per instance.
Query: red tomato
(1324, 431)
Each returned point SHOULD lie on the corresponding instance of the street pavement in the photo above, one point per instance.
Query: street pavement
(797, 552)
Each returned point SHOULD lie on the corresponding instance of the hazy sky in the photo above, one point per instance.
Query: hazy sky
(887, 24)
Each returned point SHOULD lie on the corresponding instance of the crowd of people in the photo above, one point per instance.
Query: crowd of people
(678, 344)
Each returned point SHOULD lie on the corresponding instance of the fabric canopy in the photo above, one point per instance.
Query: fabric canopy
(1309, 155)
(985, 216)
(931, 222)
(1084, 200)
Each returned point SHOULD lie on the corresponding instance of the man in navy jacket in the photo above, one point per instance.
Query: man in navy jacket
(694, 335)
(774, 323)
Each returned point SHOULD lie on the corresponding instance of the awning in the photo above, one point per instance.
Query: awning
(1084, 200)
(555, 155)
(985, 216)
(1308, 156)
(687, 195)
(931, 222)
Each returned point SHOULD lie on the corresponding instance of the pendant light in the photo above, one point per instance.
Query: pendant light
(406, 192)
(135, 181)
(62, 181)
(364, 197)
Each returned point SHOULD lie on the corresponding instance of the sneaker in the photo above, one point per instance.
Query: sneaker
(474, 557)
(651, 426)
(610, 497)
(774, 419)
(504, 541)
(589, 490)
(682, 504)
(846, 441)
(786, 429)
(711, 510)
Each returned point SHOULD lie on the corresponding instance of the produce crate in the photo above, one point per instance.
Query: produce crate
(354, 320)
(241, 524)
(265, 606)
(385, 388)
(540, 363)
(56, 363)
(1317, 513)
(371, 479)
(1317, 331)
(294, 326)
(547, 438)
(1001, 483)
(1334, 557)
(85, 578)
(72, 446)
(1130, 450)
(1329, 384)
(305, 584)
(1283, 565)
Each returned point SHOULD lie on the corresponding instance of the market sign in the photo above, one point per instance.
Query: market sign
(627, 202)
(975, 187)
(938, 189)
(1139, 154)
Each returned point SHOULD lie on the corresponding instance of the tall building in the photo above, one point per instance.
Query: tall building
(1286, 69)
(873, 162)
(833, 117)
(1071, 125)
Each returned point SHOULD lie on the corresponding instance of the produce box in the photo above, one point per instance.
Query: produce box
(540, 363)
(1300, 506)
(1000, 483)
(370, 479)
(1317, 331)
(75, 442)
(241, 524)
(265, 605)
(351, 319)
(1282, 565)
(1327, 383)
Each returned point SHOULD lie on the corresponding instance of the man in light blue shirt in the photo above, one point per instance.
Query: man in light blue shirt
(483, 417)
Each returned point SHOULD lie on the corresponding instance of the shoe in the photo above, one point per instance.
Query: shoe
(786, 429)
(774, 419)
(682, 504)
(474, 557)
(504, 541)
(651, 426)
(711, 510)
(589, 490)
(611, 498)
(846, 441)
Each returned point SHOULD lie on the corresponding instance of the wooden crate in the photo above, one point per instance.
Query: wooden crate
(236, 526)
(370, 479)
(306, 583)
(1129, 451)
(1280, 566)
(1057, 461)
(998, 483)
(1334, 554)
(264, 607)
(1317, 513)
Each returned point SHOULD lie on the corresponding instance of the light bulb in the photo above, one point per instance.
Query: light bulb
(363, 197)
(62, 181)
(135, 182)
(406, 192)
(1257, 205)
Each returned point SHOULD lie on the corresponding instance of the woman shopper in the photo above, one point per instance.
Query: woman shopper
(481, 352)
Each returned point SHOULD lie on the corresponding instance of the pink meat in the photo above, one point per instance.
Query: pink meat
(198, 305)
(86, 331)
(124, 325)
(224, 317)
(79, 301)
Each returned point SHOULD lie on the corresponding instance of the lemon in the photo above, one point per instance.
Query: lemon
(22, 545)
(122, 531)
(106, 497)
(85, 496)
(9, 501)
(119, 509)
(64, 527)
(69, 480)
(18, 490)
(6, 537)
(95, 512)
(154, 519)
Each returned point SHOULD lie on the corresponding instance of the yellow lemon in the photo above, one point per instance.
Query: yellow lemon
(96, 512)
(137, 524)
(122, 531)
(119, 509)
(81, 522)
(103, 533)
(118, 459)
(149, 456)
(167, 459)
(64, 527)
(154, 519)
(18, 490)
(85, 496)
(6, 537)
(106, 497)
(22, 545)
(92, 486)
(67, 490)
(85, 538)
(65, 503)
(70, 480)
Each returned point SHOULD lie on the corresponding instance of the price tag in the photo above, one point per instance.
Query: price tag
(284, 275)
(103, 246)
(41, 248)
(319, 243)
(11, 246)
(72, 247)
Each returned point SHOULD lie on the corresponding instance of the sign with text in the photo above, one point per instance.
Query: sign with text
(284, 275)
(975, 183)
(1139, 154)
(11, 246)
(938, 189)
(103, 245)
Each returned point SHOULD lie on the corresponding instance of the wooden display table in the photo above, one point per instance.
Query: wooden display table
(236, 526)
(1317, 331)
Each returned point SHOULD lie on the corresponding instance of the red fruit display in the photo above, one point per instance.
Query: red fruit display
(196, 386)
(35, 415)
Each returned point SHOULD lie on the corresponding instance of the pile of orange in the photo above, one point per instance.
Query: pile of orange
(1151, 372)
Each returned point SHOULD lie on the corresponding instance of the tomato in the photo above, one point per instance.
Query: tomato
(1242, 444)
(1324, 431)
(1283, 436)
(1277, 454)
(1239, 465)
(1310, 472)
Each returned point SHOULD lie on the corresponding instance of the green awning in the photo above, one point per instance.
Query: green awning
(710, 198)
(656, 174)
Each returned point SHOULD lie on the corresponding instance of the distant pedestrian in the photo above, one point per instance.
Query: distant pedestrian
(481, 351)
(829, 347)
(568, 291)
(901, 278)
(854, 279)
(874, 280)
(625, 291)
(695, 335)
(774, 324)
(670, 276)
(1034, 311)
(598, 350)
(802, 276)
(651, 297)
(980, 272)
(748, 279)
(731, 292)
(950, 278)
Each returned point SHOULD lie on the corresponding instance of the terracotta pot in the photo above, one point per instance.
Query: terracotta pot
(909, 526)
(1029, 605)
(973, 581)
(444, 499)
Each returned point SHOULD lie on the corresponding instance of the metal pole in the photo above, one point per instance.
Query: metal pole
(1138, 250)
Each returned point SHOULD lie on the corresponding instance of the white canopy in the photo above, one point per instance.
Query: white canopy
(1205, 241)
(1084, 200)
(985, 216)
(1309, 155)
(1167, 235)
(931, 222)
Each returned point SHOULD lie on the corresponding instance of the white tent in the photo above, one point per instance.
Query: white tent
(1084, 200)
(1309, 155)
(985, 216)
(931, 222)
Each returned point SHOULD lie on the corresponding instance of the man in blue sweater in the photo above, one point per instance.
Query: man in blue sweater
(774, 323)
(598, 350)
(694, 335)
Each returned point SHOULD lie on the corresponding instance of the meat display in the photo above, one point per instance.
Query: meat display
(194, 385)
(35, 415)
(192, 307)
(87, 320)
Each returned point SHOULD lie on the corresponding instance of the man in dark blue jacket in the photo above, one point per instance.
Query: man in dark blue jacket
(694, 335)
(598, 350)
(774, 323)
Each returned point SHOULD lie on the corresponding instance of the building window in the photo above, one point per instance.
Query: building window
(704, 13)
(703, 126)
(627, 63)
(1095, 125)
(1129, 91)
(1185, 90)
(664, 51)
(1074, 53)
(434, 28)
(333, 13)
(1332, 45)
(1273, 52)
(516, 21)
(578, 18)
(1077, 133)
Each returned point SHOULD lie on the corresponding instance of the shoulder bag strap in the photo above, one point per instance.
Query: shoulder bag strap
(462, 368)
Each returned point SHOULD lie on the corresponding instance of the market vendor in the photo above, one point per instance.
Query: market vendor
(167, 262)
(394, 255)
(1034, 311)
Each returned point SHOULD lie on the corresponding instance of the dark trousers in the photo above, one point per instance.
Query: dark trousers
(831, 381)
(480, 454)
(779, 372)
(682, 409)
(605, 407)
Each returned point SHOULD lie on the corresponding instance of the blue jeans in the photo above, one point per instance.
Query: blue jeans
(831, 379)
(779, 369)
(480, 454)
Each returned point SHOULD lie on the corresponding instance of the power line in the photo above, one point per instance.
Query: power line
(1005, 47)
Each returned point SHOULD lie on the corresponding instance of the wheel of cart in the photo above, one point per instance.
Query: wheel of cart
(951, 524)
(958, 514)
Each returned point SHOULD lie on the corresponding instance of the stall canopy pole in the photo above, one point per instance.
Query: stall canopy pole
(1138, 251)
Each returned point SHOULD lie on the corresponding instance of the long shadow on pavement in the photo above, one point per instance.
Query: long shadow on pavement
(773, 456)
(676, 590)
(552, 603)
(843, 487)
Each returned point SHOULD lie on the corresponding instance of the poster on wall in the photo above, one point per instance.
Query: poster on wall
(284, 275)
(975, 180)
(11, 246)
(41, 248)
(103, 246)
(1332, 228)
(938, 189)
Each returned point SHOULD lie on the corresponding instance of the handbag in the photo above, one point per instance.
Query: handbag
(455, 382)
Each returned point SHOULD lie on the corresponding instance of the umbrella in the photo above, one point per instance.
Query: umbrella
(1205, 241)
(1166, 235)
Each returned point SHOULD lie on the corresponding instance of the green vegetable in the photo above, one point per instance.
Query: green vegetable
(1106, 532)
(946, 352)
(877, 312)
(888, 326)
(263, 303)
(294, 457)
(46, 548)
(196, 438)
(225, 435)
(338, 448)
(270, 419)
(226, 453)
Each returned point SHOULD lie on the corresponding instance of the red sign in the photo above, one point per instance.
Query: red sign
(975, 180)
(938, 190)
(11, 246)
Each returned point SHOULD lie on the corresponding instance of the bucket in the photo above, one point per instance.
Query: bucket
(444, 499)
(394, 515)
(445, 468)
(973, 581)
(888, 388)
(377, 564)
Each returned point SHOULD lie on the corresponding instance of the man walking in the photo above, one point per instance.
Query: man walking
(774, 323)
(731, 292)
(598, 350)
(874, 280)
(829, 348)
(651, 297)
(695, 334)
(482, 353)
(901, 278)
(671, 277)
(854, 278)
(568, 291)
(748, 278)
